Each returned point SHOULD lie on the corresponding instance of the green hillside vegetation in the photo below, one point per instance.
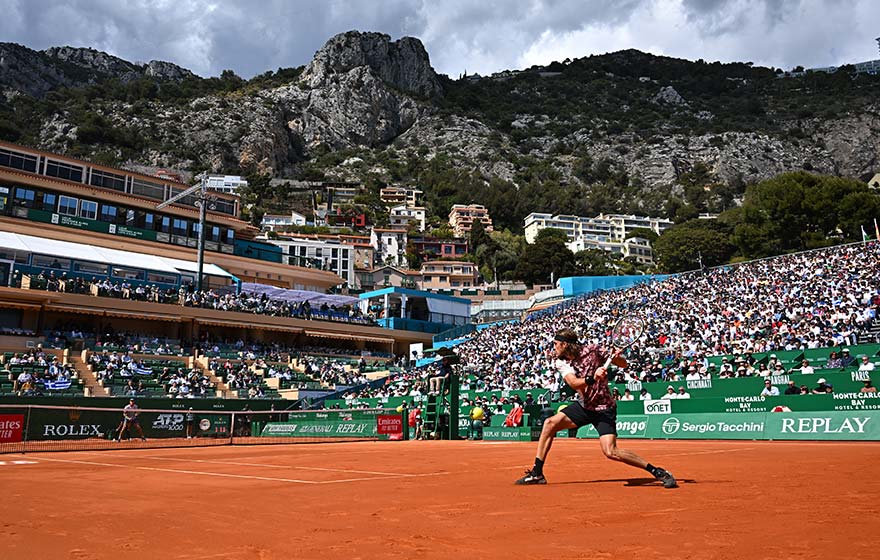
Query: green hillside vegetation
(612, 94)
(608, 97)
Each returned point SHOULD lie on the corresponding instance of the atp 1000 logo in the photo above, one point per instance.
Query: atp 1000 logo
(169, 422)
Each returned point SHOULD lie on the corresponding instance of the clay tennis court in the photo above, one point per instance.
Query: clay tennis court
(443, 499)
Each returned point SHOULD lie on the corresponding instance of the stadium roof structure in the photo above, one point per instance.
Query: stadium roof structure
(296, 296)
(414, 310)
(91, 253)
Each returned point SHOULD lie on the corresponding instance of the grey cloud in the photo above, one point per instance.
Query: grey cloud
(251, 37)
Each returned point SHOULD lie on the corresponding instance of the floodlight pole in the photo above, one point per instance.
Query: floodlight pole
(202, 203)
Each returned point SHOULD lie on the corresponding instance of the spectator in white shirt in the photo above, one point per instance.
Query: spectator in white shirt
(806, 368)
(769, 389)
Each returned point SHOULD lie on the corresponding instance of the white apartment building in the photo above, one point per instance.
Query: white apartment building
(573, 226)
(632, 247)
(401, 216)
(390, 245)
(273, 222)
(226, 183)
(623, 224)
(322, 254)
(871, 67)
(614, 227)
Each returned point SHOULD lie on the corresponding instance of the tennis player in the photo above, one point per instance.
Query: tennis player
(130, 420)
(583, 369)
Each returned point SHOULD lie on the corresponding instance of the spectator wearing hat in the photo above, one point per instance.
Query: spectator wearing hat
(726, 368)
(845, 359)
(823, 387)
(869, 387)
(692, 374)
(769, 389)
(644, 395)
(436, 383)
(670, 393)
(792, 388)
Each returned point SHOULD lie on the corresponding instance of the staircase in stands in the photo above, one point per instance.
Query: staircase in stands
(92, 387)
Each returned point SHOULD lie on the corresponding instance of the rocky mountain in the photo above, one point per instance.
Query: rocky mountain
(625, 132)
(36, 73)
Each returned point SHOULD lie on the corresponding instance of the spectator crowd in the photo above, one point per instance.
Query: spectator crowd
(824, 298)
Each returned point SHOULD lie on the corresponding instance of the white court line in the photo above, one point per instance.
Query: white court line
(704, 452)
(272, 479)
(244, 476)
(268, 465)
(441, 473)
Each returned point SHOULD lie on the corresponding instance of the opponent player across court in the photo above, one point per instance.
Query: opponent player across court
(130, 421)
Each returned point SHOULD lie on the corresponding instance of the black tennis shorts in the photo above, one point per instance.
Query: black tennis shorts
(605, 421)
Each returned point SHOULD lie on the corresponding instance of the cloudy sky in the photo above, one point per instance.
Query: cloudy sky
(485, 36)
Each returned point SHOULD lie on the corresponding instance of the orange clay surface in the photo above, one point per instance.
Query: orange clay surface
(442, 499)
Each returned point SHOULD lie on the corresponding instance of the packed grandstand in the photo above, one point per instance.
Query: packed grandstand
(722, 323)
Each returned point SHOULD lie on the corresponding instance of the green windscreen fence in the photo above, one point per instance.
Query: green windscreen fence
(28, 428)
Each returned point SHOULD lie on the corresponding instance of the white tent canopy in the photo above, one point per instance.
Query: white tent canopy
(91, 253)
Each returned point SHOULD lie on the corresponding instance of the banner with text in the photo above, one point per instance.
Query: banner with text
(856, 425)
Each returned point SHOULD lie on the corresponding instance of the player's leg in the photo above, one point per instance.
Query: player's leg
(122, 427)
(606, 425)
(553, 425)
(140, 431)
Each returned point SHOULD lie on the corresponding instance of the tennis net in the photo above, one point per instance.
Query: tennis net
(29, 428)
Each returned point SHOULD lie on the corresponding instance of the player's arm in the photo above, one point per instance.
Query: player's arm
(575, 382)
(616, 355)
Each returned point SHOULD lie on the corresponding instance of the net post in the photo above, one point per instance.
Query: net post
(27, 430)
(404, 422)
(454, 387)
(233, 424)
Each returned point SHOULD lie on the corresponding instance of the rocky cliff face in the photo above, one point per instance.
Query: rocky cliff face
(403, 64)
(39, 72)
(359, 90)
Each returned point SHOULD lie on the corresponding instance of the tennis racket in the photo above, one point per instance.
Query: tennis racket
(625, 332)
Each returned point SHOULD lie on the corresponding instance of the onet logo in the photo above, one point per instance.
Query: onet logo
(671, 426)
